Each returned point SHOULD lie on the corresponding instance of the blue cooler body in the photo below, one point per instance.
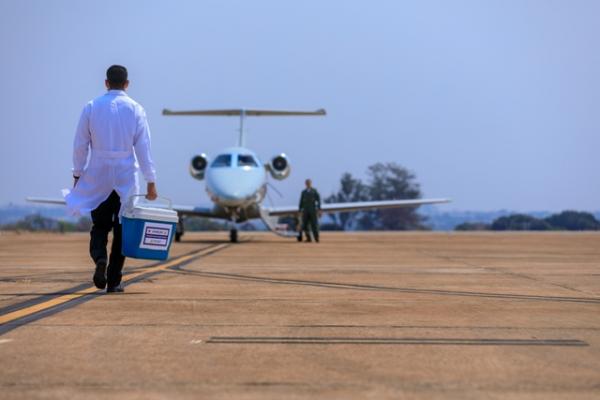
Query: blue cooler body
(148, 232)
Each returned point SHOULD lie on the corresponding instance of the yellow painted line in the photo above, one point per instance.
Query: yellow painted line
(44, 306)
(72, 296)
(176, 261)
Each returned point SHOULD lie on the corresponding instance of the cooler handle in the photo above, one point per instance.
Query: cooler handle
(130, 200)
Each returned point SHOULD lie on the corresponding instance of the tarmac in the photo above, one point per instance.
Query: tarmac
(366, 315)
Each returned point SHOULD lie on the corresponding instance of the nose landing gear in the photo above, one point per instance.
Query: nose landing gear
(233, 231)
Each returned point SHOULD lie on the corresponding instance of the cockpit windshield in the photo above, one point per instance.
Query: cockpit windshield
(246, 160)
(224, 160)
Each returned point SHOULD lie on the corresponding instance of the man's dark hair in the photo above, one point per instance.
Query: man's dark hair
(116, 76)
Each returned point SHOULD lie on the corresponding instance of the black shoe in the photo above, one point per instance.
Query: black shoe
(115, 289)
(100, 274)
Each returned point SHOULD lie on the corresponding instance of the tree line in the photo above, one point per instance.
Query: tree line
(40, 223)
(391, 181)
(566, 220)
(37, 222)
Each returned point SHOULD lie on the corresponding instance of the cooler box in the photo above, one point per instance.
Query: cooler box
(148, 231)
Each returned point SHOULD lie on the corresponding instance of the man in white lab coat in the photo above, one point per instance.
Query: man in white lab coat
(114, 131)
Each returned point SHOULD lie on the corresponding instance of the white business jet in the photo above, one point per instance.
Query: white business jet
(236, 182)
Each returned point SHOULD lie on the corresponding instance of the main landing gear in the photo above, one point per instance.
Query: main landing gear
(179, 230)
(233, 235)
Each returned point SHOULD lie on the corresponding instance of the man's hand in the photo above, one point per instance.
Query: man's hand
(151, 193)
(320, 213)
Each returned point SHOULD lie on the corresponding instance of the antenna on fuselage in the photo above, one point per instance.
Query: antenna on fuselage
(243, 113)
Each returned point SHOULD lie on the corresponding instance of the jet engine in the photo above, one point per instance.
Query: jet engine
(198, 166)
(279, 167)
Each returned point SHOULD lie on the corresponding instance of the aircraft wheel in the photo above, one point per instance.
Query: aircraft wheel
(179, 230)
(233, 236)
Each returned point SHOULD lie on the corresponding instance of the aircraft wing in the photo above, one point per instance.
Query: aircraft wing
(356, 206)
(46, 200)
(181, 209)
(194, 211)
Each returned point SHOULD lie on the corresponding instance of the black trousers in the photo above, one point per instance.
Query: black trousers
(310, 222)
(104, 219)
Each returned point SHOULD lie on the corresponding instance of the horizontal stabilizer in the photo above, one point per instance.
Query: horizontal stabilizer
(236, 112)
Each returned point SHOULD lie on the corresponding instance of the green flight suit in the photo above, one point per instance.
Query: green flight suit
(310, 205)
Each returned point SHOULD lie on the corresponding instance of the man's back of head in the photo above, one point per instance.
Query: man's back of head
(116, 77)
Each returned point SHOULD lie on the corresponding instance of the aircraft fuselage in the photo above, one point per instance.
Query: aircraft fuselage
(236, 182)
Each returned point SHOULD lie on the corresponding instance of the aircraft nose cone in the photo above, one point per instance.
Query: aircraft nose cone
(233, 187)
(232, 190)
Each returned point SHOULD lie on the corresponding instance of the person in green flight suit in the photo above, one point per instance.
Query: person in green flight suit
(310, 211)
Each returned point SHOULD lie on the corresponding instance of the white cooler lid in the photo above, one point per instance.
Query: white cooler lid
(152, 213)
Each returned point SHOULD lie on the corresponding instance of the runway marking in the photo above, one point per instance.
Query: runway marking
(2, 341)
(395, 341)
(196, 341)
(131, 277)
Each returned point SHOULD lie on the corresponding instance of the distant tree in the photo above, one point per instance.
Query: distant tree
(351, 190)
(390, 181)
(573, 221)
(330, 226)
(520, 222)
(386, 181)
(37, 222)
(566, 220)
(84, 224)
(473, 226)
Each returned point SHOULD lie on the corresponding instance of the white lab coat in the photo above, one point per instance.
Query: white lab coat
(114, 132)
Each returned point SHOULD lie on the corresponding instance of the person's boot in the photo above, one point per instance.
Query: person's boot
(115, 289)
(100, 274)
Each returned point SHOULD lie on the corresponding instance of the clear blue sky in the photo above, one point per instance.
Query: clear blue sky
(493, 103)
